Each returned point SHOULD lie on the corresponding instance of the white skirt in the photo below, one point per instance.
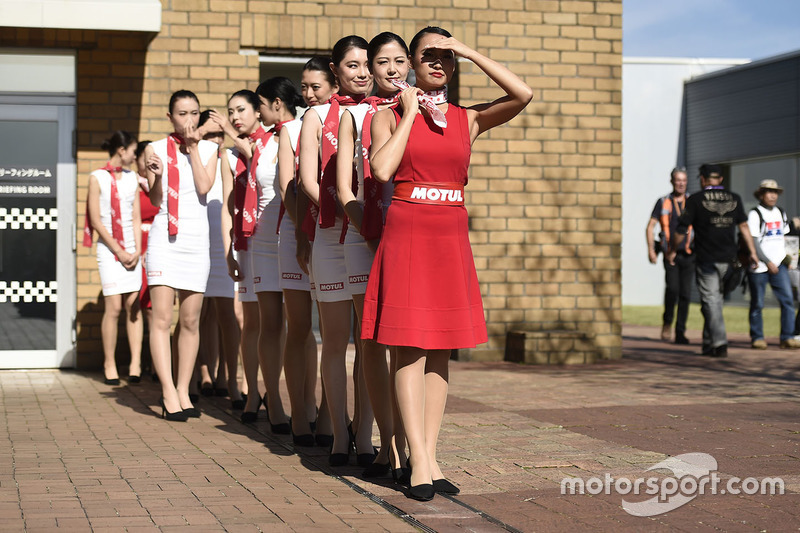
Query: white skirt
(114, 277)
(182, 261)
(264, 263)
(358, 261)
(330, 272)
(292, 276)
(245, 290)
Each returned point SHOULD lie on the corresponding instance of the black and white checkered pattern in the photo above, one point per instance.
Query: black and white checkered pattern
(28, 291)
(28, 218)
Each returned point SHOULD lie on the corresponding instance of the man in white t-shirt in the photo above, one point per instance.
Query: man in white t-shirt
(769, 225)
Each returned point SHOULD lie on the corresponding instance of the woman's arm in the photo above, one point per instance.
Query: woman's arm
(303, 252)
(97, 221)
(155, 169)
(226, 219)
(242, 144)
(137, 229)
(389, 140)
(286, 168)
(344, 169)
(486, 116)
(310, 135)
(203, 175)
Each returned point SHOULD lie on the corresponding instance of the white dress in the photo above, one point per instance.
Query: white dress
(220, 284)
(114, 277)
(357, 255)
(291, 275)
(263, 245)
(327, 259)
(181, 261)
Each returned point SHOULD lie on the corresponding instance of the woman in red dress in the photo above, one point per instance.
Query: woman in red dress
(423, 295)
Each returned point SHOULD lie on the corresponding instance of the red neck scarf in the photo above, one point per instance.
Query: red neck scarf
(327, 185)
(173, 181)
(428, 101)
(116, 217)
(372, 223)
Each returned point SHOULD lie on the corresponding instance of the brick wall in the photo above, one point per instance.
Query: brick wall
(545, 190)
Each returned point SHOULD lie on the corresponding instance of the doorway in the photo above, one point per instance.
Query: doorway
(37, 231)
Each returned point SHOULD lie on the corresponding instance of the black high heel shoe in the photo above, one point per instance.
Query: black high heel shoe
(306, 440)
(444, 487)
(401, 476)
(134, 379)
(111, 381)
(207, 388)
(423, 492)
(248, 417)
(278, 429)
(192, 412)
(177, 416)
(237, 405)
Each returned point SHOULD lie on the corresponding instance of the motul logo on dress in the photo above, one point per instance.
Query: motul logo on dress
(257, 279)
(331, 286)
(445, 195)
(331, 138)
(291, 275)
(363, 278)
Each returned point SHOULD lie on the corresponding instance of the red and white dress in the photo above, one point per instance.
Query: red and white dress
(114, 277)
(358, 256)
(423, 288)
(291, 275)
(181, 261)
(327, 258)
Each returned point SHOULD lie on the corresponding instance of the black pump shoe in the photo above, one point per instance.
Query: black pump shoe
(423, 492)
(445, 487)
(177, 416)
(306, 440)
(401, 476)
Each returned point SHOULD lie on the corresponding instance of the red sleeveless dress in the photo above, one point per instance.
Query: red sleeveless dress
(423, 289)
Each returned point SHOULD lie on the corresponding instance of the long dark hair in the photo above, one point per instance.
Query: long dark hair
(283, 88)
(119, 139)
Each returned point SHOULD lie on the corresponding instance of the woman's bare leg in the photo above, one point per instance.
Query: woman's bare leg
(335, 317)
(163, 298)
(295, 360)
(250, 354)
(411, 399)
(229, 327)
(135, 327)
(191, 303)
(436, 383)
(270, 306)
(109, 331)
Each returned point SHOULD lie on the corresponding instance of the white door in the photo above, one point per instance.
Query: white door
(37, 231)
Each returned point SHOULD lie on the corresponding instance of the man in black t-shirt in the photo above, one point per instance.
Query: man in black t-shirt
(714, 214)
(678, 263)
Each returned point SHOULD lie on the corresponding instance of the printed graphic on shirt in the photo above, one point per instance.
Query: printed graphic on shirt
(774, 229)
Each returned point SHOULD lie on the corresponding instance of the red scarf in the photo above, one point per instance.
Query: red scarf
(428, 101)
(173, 181)
(116, 217)
(327, 184)
(372, 222)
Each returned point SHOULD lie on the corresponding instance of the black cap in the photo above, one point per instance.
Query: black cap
(710, 171)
